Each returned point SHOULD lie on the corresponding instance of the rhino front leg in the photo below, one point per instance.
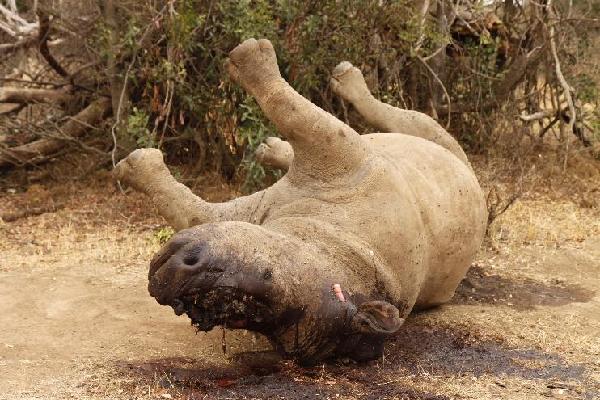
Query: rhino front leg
(324, 147)
(348, 82)
(145, 171)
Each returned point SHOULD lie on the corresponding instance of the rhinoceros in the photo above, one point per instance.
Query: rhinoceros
(331, 259)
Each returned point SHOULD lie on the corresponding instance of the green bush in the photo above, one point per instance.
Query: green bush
(185, 104)
(163, 235)
(190, 109)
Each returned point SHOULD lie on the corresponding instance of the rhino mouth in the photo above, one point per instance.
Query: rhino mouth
(225, 306)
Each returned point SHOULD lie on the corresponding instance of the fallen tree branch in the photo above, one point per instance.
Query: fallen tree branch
(38, 151)
(535, 116)
(8, 48)
(7, 29)
(561, 115)
(28, 96)
(25, 43)
(14, 25)
(11, 108)
(30, 212)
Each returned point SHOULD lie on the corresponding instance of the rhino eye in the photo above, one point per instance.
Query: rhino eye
(267, 275)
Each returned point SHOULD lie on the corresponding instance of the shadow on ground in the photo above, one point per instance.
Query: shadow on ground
(191, 379)
(418, 349)
(445, 351)
(481, 287)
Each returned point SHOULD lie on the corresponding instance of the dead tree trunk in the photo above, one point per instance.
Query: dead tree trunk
(39, 150)
(438, 62)
(15, 95)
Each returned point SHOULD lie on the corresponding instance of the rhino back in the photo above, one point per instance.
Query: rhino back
(451, 205)
(408, 222)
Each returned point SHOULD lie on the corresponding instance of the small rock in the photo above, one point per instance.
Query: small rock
(557, 385)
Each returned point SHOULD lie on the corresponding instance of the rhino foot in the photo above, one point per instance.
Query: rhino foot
(276, 153)
(348, 82)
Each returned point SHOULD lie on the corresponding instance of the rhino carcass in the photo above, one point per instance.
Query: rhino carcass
(331, 259)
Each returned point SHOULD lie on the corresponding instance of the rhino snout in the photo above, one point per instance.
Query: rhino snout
(182, 267)
(212, 288)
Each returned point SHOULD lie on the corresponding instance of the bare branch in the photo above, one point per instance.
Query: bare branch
(423, 11)
(567, 89)
(28, 96)
(549, 126)
(535, 116)
(15, 23)
(38, 151)
(439, 81)
(9, 48)
(43, 45)
(11, 108)
(7, 29)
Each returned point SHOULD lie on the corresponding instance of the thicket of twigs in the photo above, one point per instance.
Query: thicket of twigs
(106, 76)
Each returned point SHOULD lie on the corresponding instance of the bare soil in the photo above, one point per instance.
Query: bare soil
(77, 321)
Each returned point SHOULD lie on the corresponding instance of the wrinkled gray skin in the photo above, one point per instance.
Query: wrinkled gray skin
(393, 219)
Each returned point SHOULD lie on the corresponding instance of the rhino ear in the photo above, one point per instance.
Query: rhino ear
(377, 317)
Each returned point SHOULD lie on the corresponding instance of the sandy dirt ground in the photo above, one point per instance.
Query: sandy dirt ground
(76, 321)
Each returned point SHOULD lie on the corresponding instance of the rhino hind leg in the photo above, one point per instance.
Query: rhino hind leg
(348, 82)
(324, 147)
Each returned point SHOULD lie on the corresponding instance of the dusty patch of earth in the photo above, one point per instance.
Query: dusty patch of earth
(77, 321)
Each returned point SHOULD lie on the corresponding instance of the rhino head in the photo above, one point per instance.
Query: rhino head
(243, 276)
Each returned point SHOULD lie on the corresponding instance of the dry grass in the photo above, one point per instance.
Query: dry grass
(547, 223)
(122, 345)
(553, 207)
